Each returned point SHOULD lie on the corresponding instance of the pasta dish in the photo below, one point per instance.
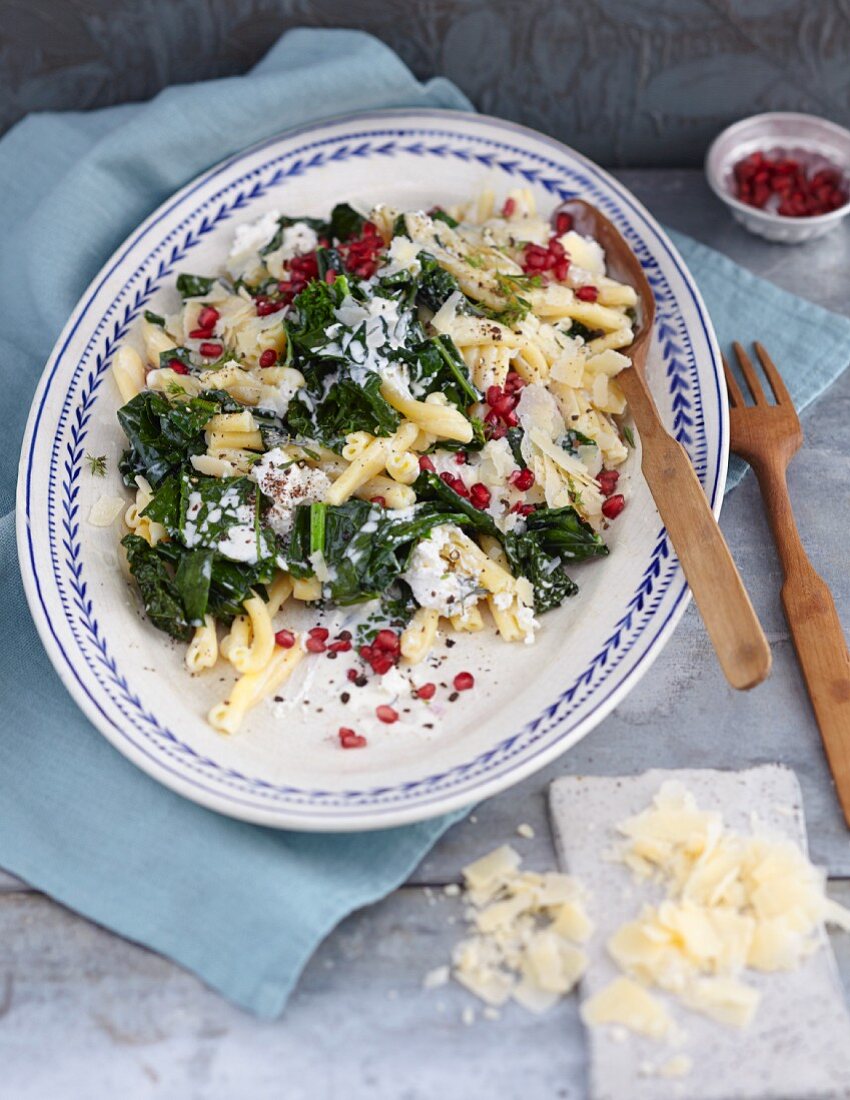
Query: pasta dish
(411, 416)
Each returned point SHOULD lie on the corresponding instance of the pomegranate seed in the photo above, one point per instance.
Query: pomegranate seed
(365, 652)
(177, 366)
(522, 479)
(208, 317)
(382, 501)
(504, 405)
(562, 270)
(285, 639)
(523, 509)
(265, 306)
(460, 458)
(479, 494)
(382, 665)
(613, 506)
(268, 358)
(511, 419)
(352, 675)
(319, 632)
(349, 739)
(608, 481)
(386, 714)
(211, 351)
(315, 645)
(563, 222)
(587, 294)
(499, 431)
(509, 208)
(387, 640)
(342, 646)
(514, 382)
(330, 276)
(200, 334)
(426, 691)
(425, 463)
(464, 681)
(494, 395)
(492, 418)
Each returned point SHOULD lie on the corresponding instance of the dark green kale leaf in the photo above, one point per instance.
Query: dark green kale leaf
(162, 436)
(436, 365)
(431, 487)
(529, 559)
(165, 506)
(329, 259)
(346, 222)
(182, 355)
(212, 509)
(160, 595)
(230, 584)
(573, 439)
(154, 318)
(364, 546)
(313, 311)
(194, 286)
(192, 580)
(578, 329)
(514, 438)
(563, 531)
(328, 407)
(440, 215)
(435, 284)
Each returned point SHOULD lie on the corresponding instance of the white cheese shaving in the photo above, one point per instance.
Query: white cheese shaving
(105, 511)
(625, 1002)
(525, 928)
(734, 902)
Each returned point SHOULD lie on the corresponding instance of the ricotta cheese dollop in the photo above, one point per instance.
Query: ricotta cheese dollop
(287, 484)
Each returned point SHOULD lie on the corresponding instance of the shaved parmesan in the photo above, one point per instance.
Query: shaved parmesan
(733, 902)
(525, 929)
(105, 511)
(625, 1002)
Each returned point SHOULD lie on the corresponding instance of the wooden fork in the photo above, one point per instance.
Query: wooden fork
(767, 435)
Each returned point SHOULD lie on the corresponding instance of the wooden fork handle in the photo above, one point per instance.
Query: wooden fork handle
(816, 631)
(717, 588)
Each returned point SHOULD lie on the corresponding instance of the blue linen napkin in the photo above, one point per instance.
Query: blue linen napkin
(242, 906)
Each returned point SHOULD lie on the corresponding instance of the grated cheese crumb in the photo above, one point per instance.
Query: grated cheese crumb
(525, 831)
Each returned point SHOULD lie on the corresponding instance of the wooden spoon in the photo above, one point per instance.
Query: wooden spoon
(717, 588)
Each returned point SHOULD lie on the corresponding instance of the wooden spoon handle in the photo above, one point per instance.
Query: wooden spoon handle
(717, 588)
(822, 652)
(816, 630)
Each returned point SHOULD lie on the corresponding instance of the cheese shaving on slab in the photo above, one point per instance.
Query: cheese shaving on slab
(734, 902)
(525, 928)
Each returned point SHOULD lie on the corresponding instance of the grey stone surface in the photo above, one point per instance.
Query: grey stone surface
(640, 83)
(85, 1014)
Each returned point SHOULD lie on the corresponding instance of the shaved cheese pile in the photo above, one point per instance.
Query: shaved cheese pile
(733, 902)
(525, 931)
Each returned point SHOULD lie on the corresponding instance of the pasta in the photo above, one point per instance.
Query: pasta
(410, 417)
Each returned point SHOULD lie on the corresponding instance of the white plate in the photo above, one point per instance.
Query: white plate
(531, 703)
